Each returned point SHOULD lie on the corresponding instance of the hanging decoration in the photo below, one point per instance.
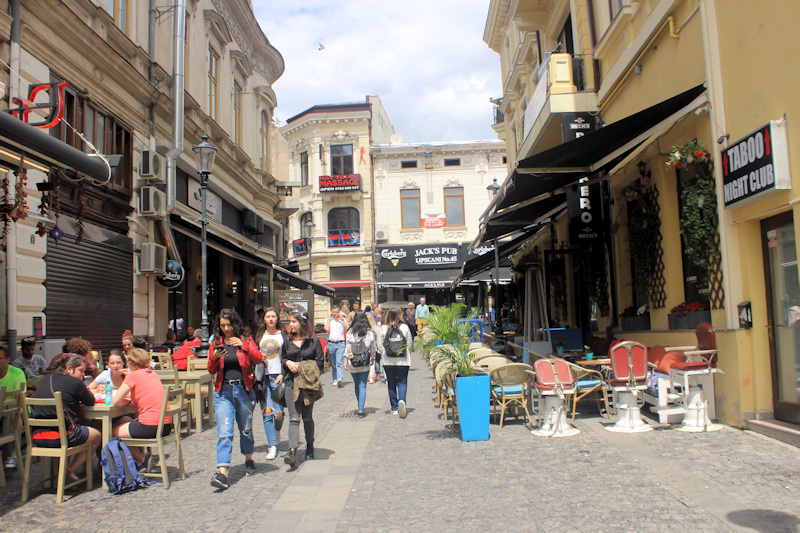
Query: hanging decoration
(80, 196)
(56, 233)
(689, 154)
(20, 209)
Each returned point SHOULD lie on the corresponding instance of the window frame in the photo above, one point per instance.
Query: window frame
(403, 199)
(352, 214)
(212, 82)
(409, 164)
(118, 7)
(304, 169)
(237, 112)
(448, 161)
(448, 195)
(340, 160)
(263, 131)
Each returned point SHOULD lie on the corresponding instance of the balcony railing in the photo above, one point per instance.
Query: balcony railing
(499, 118)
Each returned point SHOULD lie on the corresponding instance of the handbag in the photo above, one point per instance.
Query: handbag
(278, 394)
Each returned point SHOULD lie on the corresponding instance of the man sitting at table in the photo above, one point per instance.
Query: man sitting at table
(77, 345)
(31, 363)
(181, 356)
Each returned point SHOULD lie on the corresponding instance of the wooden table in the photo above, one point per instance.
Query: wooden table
(586, 362)
(195, 379)
(105, 413)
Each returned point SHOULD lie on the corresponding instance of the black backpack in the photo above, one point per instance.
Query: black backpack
(394, 343)
(360, 353)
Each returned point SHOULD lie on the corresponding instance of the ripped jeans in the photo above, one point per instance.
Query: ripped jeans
(233, 402)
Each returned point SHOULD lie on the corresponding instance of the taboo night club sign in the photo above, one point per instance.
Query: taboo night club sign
(349, 182)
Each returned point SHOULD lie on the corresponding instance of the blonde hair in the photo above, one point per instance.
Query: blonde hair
(138, 358)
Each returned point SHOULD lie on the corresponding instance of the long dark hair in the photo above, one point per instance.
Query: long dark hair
(236, 323)
(262, 328)
(392, 317)
(306, 332)
(360, 325)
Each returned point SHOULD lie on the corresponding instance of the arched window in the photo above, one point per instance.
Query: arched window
(305, 230)
(264, 135)
(343, 218)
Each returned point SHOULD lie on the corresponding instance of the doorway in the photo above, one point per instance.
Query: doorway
(783, 306)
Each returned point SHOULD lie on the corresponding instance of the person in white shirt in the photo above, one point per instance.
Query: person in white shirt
(395, 335)
(270, 338)
(335, 326)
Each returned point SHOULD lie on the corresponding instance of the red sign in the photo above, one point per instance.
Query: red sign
(56, 104)
(433, 221)
(350, 182)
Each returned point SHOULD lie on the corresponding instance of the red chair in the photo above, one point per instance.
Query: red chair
(694, 380)
(552, 383)
(629, 368)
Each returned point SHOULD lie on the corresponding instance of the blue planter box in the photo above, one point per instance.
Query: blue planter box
(473, 406)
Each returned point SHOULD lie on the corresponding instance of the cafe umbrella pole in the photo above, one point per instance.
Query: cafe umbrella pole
(204, 156)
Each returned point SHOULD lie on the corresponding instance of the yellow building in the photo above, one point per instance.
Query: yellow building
(690, 176)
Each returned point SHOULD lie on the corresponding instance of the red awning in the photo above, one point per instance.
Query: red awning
(348, 283)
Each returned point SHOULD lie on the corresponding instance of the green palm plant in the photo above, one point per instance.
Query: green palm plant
(447, 339)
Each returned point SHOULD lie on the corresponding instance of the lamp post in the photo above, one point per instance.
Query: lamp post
(204, 154)
(493, 188)
(310, 227)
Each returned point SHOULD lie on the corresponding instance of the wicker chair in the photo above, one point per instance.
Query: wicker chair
(510, 388)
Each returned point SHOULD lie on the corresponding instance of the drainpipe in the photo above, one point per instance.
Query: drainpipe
(11, 248)
(178, 59)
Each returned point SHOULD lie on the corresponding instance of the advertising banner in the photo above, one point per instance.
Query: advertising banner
(585, 214)
(300, 246)
(439, 256)
(349, 182)
(344, 238)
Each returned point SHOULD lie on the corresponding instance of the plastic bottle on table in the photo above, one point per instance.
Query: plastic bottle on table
(108, 394)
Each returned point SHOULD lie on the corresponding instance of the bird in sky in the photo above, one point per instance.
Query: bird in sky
(320, 46)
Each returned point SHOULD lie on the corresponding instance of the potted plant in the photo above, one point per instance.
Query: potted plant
(448, 339)
(688, 315)
(635, 319)
(561, 343)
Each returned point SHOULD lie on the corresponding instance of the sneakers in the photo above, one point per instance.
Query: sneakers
(401, 407)
(361, 414)
(220, 481)
(341, 384)
(250, 467)
(11, 462)
(394, 411)
(272, 453)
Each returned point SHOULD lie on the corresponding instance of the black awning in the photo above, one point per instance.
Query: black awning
(17, 137)
(521, 217)
(430, 279)
(484, 262)
(290, 278)
(595, 151)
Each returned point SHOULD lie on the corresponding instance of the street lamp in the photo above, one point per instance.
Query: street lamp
(204, 155)
(493, 188)
(310, 229)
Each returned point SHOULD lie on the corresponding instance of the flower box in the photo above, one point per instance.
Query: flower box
(635, 323)
(690, 320)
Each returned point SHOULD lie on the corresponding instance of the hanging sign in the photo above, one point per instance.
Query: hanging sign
(574, 125)
(55, 104)
(173, 275)
(349, 182)
(437, 220)
(300, 246)
(585, 214)
(445, 255)
(756, 164)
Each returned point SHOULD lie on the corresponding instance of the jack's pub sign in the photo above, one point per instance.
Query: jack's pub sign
(349, 182)
(428, 257)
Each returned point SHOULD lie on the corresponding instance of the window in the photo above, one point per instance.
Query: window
(455, 162)
(264, 134)
(615, 6)
(454, 205)
(409, 199)
(341, 273)
(213, 72)
(343, 218)
(119, 10)
(305, 218)
(341, 159)
(408, 164)
(237, 113)
(303, 169)
(505, 160)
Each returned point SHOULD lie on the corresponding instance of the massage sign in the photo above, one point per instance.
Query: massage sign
(756, 164)
(349, 182)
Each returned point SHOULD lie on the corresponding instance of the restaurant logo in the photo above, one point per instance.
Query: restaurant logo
(55, 104)
(574, 125)
(446, 255)
(585, 215)
(173, 275)
(349, 182)
(393, 255)
(756, 164)
(344, 238)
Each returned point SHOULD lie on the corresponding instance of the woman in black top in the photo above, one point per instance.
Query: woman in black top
(68, 380)
(302, 346)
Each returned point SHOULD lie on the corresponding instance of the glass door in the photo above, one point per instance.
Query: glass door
(783, 299)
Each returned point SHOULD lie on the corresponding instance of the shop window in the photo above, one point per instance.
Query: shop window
(237, 113)
(455, 162)
(454, 205)
(341, 159)
(343, 218)
(340, 273)
(409, 198)
(263, 133)
(408, 164)
(213, 83)
(303, 169)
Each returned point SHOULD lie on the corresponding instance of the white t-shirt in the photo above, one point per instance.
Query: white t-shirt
(104, 378)
(270, 346)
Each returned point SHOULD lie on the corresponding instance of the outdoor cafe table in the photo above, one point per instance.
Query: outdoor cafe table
(593, 362)
(195, 379)
(105, 414)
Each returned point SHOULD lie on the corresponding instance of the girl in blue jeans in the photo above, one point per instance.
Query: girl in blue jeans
(231, 359)
(395, 367)
(360, 348)
(270, 337)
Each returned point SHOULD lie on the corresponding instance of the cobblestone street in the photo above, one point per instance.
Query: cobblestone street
(382, 473)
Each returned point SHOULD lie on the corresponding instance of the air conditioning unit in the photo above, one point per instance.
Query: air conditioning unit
(153, 259)
(381, 235)
(252, 222)
(152, 203)
(153, 166)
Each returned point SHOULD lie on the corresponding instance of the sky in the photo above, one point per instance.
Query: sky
(426, 59)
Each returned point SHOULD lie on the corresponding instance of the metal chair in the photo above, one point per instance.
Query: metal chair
(629, 368)
(171, 407)
(509, 387)
(694, 377)
(589, 382)
(553, 382)
(10, 415)
(63, 453)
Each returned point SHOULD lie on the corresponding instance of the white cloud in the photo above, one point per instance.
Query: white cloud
(425, 59)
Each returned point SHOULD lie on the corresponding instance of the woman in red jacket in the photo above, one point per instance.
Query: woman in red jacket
(231, 359)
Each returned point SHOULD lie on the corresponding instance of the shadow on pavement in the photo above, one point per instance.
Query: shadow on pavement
(765, 520)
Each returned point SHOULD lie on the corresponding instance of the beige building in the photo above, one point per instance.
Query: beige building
(691, 168)
(428, 197)
(330, 160)
(103, 274)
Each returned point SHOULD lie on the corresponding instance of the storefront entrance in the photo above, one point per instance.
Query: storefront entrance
(783, 299)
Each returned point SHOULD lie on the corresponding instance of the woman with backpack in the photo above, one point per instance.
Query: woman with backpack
(394, 345)
(359, 352)
(271, 336)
